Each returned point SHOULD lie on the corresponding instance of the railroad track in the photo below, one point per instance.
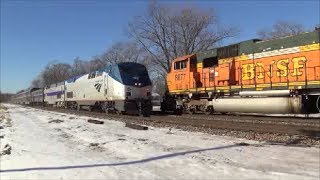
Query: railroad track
(288, 126)
(287, 131)
(258, 119)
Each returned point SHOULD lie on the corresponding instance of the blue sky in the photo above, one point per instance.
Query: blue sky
(36, 32)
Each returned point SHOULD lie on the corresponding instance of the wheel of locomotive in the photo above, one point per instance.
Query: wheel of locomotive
(178, 112)
(191, 111)
(90, 108)
(73, 105)
(118, 112)
(104, 108)
(209, 110)
(146, 113)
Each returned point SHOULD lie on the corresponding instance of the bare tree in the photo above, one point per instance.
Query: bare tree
(79, 67)
(54, 73)
(37, 82)
(97, 63)
(82, 67)
(5, 97)
(280, 29)
(159, 83)
(166, 33)
(20, 91)
(123, 52)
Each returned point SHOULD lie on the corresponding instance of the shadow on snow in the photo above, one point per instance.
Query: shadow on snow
(120, 163)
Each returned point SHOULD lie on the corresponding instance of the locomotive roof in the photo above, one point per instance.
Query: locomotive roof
(35, 89)
(184, 57)
(112, 69)
(257, 45)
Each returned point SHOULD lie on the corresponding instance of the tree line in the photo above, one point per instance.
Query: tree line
(5, 97)
(158, 36)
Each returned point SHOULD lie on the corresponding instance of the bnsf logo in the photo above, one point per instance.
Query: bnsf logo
(281, 68)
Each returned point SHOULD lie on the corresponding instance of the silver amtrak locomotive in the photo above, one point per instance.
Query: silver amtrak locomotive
(122, 88)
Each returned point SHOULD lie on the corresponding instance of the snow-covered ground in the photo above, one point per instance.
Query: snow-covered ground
(76, 149)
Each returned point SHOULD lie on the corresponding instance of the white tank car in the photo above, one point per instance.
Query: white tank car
(54, 95)
(121, 88)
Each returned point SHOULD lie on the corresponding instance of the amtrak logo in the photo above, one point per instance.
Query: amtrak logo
(98, 86)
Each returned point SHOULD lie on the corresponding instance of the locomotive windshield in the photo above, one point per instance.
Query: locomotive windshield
(134, 74)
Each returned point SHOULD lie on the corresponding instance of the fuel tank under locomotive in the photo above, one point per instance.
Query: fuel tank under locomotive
(272, 101)
(266, 102)
(268, 105)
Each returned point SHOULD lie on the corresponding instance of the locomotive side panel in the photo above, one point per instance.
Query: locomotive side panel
(114, 89)
(294, 69)
(288, 71)
(85, 89)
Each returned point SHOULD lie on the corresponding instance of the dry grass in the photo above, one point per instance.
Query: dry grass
(3, 107)
(4, 116)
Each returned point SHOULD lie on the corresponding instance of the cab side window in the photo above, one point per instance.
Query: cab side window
(180, 65)
(92, 75)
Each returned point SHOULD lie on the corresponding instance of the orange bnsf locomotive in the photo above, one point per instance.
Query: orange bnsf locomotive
(279, 76)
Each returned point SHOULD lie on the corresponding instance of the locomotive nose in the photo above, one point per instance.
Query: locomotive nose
(138, 92)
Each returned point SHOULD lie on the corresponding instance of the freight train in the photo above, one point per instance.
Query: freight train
(280, 75)
(117, 88)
